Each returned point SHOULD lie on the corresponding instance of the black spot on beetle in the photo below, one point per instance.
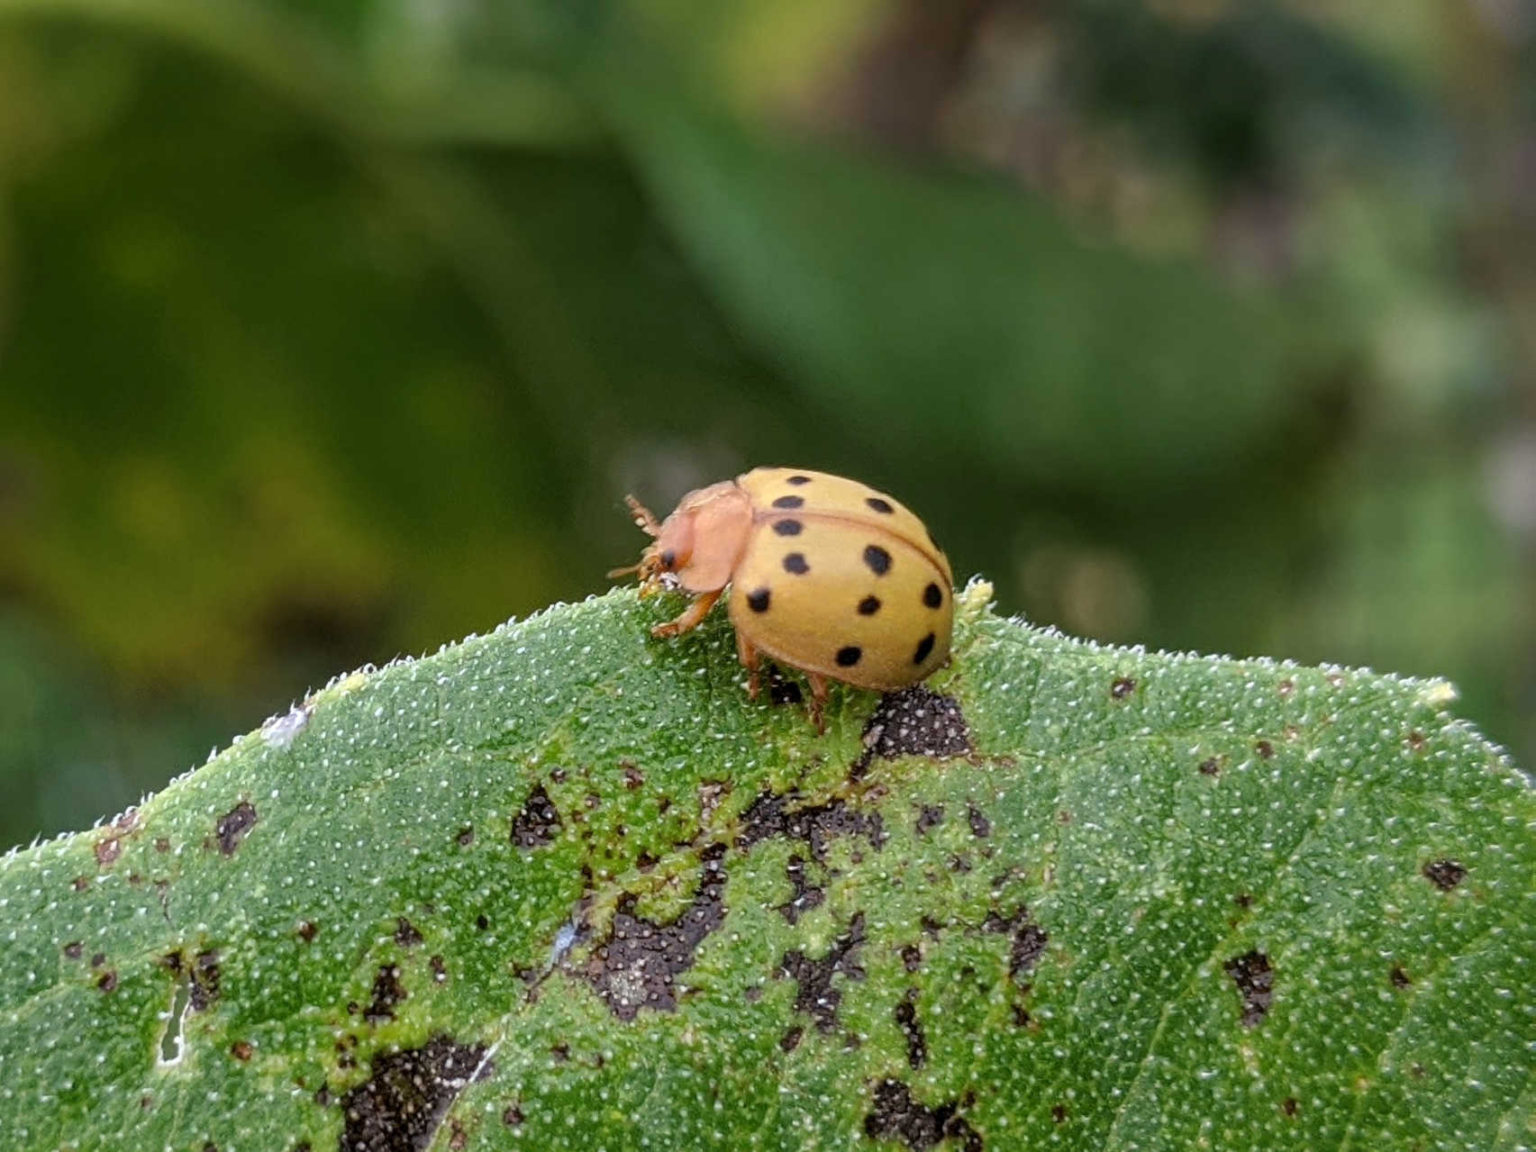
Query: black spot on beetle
(788, 501)
(798, 480)
(933, 596)
(924, 649)
(915, 721)
(1122, 688)
(538, 823)
(912, 1028)
(759, 599)
(881, 506)
(849, 655)
(895, 1114)
(233, 825)
(877, 559)
(788, 527)
(1255, 980)
(406, 933)
(816, 995)
(774, 815)
(1444, 874)
(637, 965)
(795, 564)
(402, 1105)
(869, 605)
(388, 991)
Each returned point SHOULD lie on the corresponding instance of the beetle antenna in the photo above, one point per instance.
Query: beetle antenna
(642, 515)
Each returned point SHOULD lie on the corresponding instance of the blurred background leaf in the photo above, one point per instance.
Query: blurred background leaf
(330, 332)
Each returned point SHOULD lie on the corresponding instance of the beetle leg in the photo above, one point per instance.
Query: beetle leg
(692, 616)
(644, 521)
(818, 701)
(749, 657)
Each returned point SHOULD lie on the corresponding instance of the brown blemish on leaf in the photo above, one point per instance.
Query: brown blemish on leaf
(466, 836)
(1122, 688)
(806, 895)
(1286, 688)
(98, 959)
(107, 981)
(1265, 749)
(772, 815)
(512, 1115)
(108, 850)
(1028, 944)
(233, 825)
(898, 1115)
(73, 950)
(1444, 874)
(911, 957)
(406, 934)
(912, 1029)
(1416, 741)
(816, 995)
(929, 818)
(1289, 1106)
(204, 975)
(915, 721)
(387, 992)
(538, 823)
(637, 965)
(307, 930)
(241, 1050)
(791, 1039)
(1211, 766)
(80, 883)
(402, 1105)
(1255, 980)
(1400, 978)
(981, 827)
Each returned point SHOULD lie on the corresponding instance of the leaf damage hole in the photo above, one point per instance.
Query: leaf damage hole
(1255, 979)
(233, 825)
(898, 1115)
(388, 991)
(817, 825)
(915, 721)
(538, 823)
(1444, 874)
(402, 1105)
(637, 965)
(912, 1029)
(816, 995)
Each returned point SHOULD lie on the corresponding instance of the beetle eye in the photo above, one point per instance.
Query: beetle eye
(669, 559)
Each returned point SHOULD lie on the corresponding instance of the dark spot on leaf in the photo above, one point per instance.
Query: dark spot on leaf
(482, 922)
(1265, 749)
(108, 850)
(406, 934)
(633, 777)
(307, 930)
(439, 970)
(911, 957)
(466, 836)
(98, 959)
(816, 994)
(1400, 978)
(1243, 900)
(791, 1039)
(1122, 688)
(981, 827)
(107, 981)
(1021, 1017)
(323, 1096)
(912, 1028)
(1444, 874)
(538, 823)
(512, 1115)
(80, 883)
(233, 825)
(402, 1105)
(1255, 980)
(458, 1138)
(1210, 766)
(1029, 940)
(387, 992)
(806, 895)
(637, 965)
(1285, 688)
(241, 1050)
(74, 949)
(1416, 741)
(772, 815)
(898, 1115)
(915, 721)
(1289, 1105)
(204, 974)
(929, 818)
(162, 844)
(1059, 1113)
(782, 690)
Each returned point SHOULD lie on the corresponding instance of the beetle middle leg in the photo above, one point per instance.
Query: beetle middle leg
(691, 617)
(818, 684)
(751, 660)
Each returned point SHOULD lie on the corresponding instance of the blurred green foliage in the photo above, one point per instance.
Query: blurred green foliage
(330, 332)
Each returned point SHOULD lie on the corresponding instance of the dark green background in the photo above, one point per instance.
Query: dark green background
(331, 332)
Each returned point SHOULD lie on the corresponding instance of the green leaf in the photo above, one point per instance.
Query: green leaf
(564, 886)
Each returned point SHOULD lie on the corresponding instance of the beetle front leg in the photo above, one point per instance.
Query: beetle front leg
(691, 617)
(818, 701)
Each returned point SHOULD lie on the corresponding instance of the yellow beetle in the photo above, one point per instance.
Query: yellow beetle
(830, 577)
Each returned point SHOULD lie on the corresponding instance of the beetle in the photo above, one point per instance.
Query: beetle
(827, 576)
